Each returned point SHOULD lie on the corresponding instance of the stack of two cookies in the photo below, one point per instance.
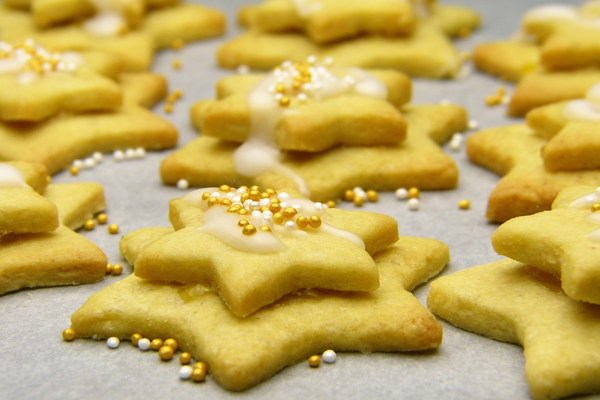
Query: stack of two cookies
(546, 297)
(37, 244)
(319, 129)
(410, 36)
(56, 107)
(558, 147)
(250, 281)
(131, 30)
(554, 57)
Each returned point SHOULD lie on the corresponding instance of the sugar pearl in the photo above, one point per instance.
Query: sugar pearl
(401, 194)
(113, 342)
(329, 356)
(413, 204)
(78, 163)
(290, 225)
(129, 154)
(97, 156)
(185, 372)
(118, 155)
(89, 163)
(140, 152)
(144, 344)
(183, 184)
(473, 124)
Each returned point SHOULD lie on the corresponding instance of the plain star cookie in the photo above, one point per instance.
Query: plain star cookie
(526, 186)
(511, 302)
(236, 350)
(562, 242)
(57, 255)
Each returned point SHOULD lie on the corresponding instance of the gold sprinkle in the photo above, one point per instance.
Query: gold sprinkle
(176, 63)
(289, 212)
(117, 269)
(243, 211)
(156, 344)
(464, 204)
(595, 207)
(225, 202)
(359, 201)
(271, 192)
(331, 203)
(243, 222)
(74, 170)
(264, 208)
(201, 365)
(168, 108)
(254, 194)
(185, 358)
(314, 361)
(109, 269)
(102, 218)
(463, 33)
(178, 93)
(135, 338)
(198, 375)
(279, 88)
(212, 201)
(245, 196)
(265, 228)
(234, 208)
(275, 207)
(254, 187)
(113, 229)
(265, 195)
(249, 230)
(205, 195)
(414, 193)
(284, 101)
(314, 221)
(302, 221)
(68, 335)
(278, 218)
(372, 195)
(166, 353)
(177, 44)
(89, 224)
(224, 188)
(348, 194)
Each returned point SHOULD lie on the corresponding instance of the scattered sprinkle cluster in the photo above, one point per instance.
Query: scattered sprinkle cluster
(114, 269)
(358, 196)
(263, 210)
(172, 99)
(500, 97)
(101, 219)
(412, 194)
(97, 157)
(29, 56)
(328, 357)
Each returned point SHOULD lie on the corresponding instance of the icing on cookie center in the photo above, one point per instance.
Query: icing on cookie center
(587, 109)
(30, 61)
(277, 94)
(108, 20)
(11, 177)
(252, 220)
(590, 202)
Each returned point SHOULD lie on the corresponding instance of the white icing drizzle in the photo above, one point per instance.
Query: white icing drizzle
(220, 221)
(270, 100)
(305, 8)
(561, 12)
(29, 61)
(586, 202)
(587, 109)
(108, 20)
(11, 177)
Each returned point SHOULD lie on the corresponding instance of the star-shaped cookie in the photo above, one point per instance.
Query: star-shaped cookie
(417, 161)
(24, 210)
(59, 140)
(311, 123)
(262, 266)
(526, 186)
(38, 83)
(510, 60)
(61, 256)
(511, 302)
(559, 242)
(426, 53)
(573, 132)
(241, 353)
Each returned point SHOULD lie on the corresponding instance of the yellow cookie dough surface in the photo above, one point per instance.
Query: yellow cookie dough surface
(241, 353)
(511, 302)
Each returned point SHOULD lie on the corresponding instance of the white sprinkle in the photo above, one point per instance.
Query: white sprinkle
(286, 64)
(401, 194)
(413, 204)
(247, 203)
(328, 61)
(319, 205)
(230, 195)
(298, 207)
(255, 204)
(311, 59)
(129, 154)
(265, 202)
(359, 192)
(456, 142)
(237, 199)
(89, 163)
(329, 356)
(144, 344)
(505, 99)
(243, 69)
(185, 372)
(302, 97)
(97, 156)
(78, 163)
(256, 214)
(140, 152)
(290, 226)
(183, 184)
(473, 124)
(113, 342)
(465, 71)
(215, 194)
(444, 102)
(267, 214)
(283, 204)
(241, 190)
(118, 155)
